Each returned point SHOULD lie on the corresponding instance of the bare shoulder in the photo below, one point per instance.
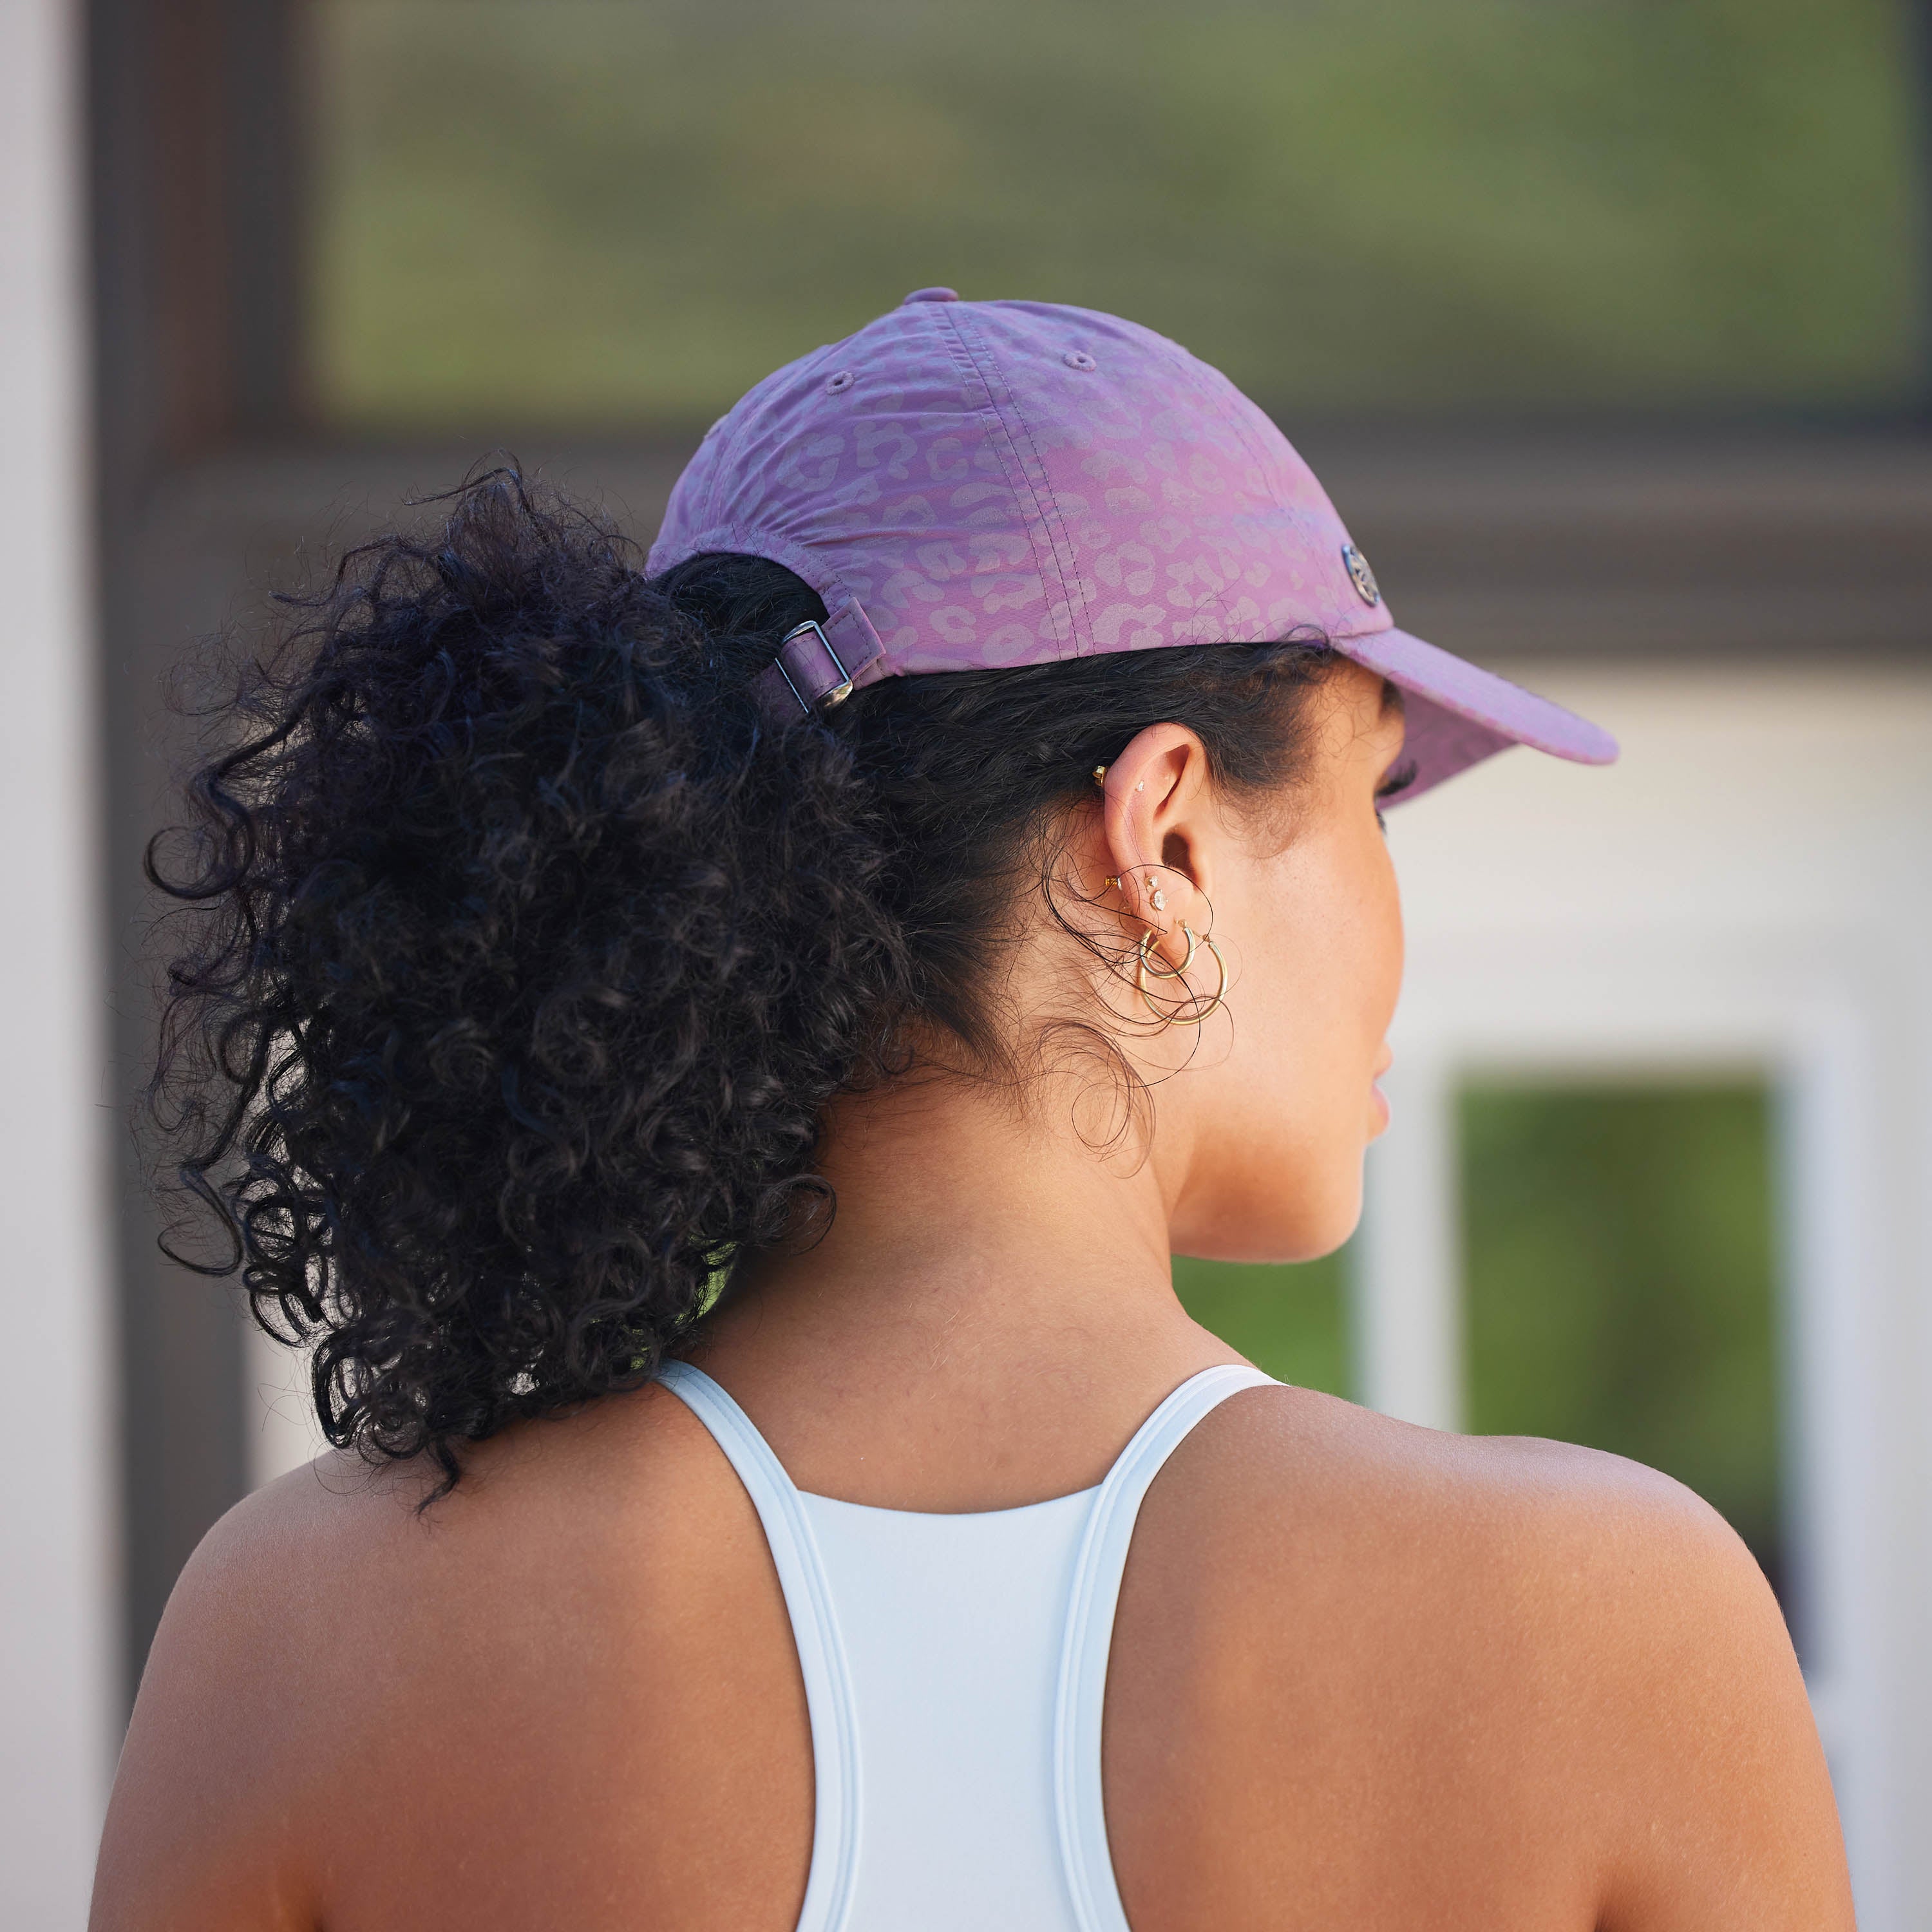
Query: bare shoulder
(1546, 1576)
(1513, 1642)
(345, 1634)
(296, 1581)
(1504, 1527)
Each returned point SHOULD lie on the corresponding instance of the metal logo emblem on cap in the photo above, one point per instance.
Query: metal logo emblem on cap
(1361, 575)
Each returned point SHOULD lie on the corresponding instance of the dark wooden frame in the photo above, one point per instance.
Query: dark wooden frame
(193, 146)
(1624, 540)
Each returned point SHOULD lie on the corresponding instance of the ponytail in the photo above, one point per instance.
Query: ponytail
(518, 956)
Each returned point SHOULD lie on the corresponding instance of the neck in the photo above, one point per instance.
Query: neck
(991, 1291)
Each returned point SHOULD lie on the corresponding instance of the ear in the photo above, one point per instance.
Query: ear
(1160, 830)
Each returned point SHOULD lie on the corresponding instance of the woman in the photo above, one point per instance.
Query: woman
(717, 1059)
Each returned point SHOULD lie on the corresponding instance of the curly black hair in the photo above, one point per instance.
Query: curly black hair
(522, 954)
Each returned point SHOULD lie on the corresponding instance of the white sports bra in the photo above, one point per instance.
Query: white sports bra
(955, 1669)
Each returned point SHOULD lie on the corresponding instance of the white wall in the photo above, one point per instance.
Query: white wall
(277, 1412)
(58, 1587)
(1751, 887)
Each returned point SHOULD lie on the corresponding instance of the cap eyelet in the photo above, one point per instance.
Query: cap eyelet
(1359, 574)
(837, 385)
(1078, 358)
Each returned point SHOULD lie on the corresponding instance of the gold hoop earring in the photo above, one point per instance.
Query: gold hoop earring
(1213, 1005)
(1203, 1009)
(1147, 969)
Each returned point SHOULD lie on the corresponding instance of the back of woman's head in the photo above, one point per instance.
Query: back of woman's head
(524, 953)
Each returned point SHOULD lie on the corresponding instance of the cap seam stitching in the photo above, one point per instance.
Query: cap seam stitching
(961, 329)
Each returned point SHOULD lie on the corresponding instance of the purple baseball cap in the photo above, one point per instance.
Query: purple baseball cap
(969, 485)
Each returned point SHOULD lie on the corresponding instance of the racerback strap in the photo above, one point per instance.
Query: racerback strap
(1090, 1632)
(815, 1624)
(1080, 1700)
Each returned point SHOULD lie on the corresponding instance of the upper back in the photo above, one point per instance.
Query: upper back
(1360, 1674)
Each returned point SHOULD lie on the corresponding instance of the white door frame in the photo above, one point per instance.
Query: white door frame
(1636, 1009)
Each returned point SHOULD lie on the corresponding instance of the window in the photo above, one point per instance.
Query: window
(1618, 1269)
(606, 213)
(1617, 1287)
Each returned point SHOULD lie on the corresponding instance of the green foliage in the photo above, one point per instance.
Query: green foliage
(1619, 1268)
(602, 212)
(1292, 1322)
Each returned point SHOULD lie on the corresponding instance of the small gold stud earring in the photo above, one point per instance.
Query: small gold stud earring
(1100, 776)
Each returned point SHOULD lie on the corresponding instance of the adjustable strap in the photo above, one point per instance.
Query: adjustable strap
(1083, 1851)
(815, 1627)
(817, 664)
(808, 669)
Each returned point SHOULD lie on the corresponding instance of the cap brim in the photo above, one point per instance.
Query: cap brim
(1459, 714)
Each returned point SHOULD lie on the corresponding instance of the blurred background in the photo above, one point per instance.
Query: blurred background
(1606, 323)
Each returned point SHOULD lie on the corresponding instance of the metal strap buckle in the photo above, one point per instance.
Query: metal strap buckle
(839, 692)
